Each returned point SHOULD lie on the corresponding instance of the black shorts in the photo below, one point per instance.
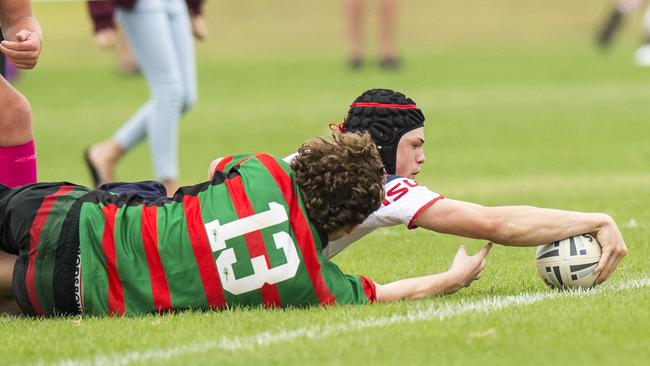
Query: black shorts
(40, 224)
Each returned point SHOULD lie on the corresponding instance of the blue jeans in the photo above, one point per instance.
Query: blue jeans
(160, 35)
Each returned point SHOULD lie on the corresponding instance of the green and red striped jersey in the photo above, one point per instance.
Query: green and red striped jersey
(243, 238)
(42, 217)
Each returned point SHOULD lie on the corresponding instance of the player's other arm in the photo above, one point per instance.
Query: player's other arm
(213, 166)
(464, 270)
(22, 31)
(526, 226)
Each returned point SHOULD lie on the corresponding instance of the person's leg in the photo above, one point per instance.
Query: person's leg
(181, 28)
(7, 263)
(148, 31)
(642, 53)
(126, 62)
(387, 30)
(150, 36)
(8, 304)
(17, 149)
(353, 17)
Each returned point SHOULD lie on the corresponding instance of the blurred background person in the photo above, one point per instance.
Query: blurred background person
(21, 47)
(354, 16)
(622, 10)
(107, 34)
(159, 33)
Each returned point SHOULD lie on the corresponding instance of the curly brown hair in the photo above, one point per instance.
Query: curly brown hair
(340, 179)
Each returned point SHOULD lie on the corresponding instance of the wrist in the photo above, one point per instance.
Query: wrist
(603, 220)
(452, 281)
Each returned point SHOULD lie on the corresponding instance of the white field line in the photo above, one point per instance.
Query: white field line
(262, 339)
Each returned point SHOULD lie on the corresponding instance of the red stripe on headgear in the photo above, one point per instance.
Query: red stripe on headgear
(382, 105)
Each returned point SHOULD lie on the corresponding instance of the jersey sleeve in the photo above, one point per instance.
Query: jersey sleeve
(404, 200)
(347, 289)
(230, 161)
(289, 158)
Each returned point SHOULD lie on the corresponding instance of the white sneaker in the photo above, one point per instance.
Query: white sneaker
(642, 55)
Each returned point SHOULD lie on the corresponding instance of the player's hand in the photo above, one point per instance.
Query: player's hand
(466, 268)
(613, 250)
(105, 38)
(24, 51)
(199, 28)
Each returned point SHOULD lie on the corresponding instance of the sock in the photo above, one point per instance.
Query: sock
(18, 164)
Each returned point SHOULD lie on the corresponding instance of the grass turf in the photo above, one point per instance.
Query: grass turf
(520, 108)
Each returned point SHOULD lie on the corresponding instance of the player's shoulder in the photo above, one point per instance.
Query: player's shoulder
(248, 159)
(396, 187)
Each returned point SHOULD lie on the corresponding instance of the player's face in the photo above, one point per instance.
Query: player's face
(410, 153)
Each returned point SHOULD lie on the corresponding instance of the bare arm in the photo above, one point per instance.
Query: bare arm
(526, 226)
(463, 271)
(213, 166)
(22, 31)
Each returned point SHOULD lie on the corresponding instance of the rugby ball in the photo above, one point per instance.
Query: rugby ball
(569, 263)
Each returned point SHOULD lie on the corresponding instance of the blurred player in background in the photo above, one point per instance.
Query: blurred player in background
(160, 36)
(622, 10)
(107, 34)
(396, 125)
(354, 18)
(252, 235)
(22, 47)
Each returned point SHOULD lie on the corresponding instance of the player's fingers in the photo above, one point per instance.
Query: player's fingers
(482, 265)
(23, 35)
(18, 55)
(614, 258)
(24, 66)
(485, 250)
(22, 57)
(604, 257)
(605, 273)
(461, 250)
(28, 45)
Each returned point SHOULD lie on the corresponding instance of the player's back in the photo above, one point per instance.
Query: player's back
(244, 238)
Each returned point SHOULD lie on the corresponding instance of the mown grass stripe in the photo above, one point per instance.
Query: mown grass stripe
(262, 339)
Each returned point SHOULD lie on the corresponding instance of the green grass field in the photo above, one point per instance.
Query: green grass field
(521, 110)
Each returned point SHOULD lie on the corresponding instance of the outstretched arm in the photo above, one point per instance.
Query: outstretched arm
(22, 31)
(526, 226)
(464, 270)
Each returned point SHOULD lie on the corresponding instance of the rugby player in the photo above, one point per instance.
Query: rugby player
(252, 235)
(22, 46)
(396, 125)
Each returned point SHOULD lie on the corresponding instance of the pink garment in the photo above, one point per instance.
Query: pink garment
(18, 164)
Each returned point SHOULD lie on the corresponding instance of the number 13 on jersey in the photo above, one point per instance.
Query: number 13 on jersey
(218, 233)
